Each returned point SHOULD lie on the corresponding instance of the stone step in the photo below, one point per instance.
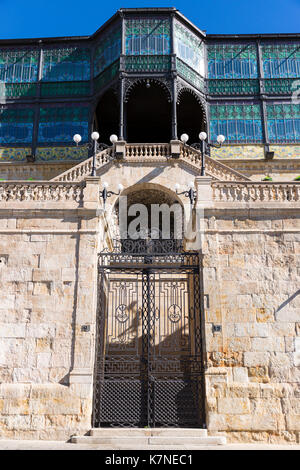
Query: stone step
(135, 441)
(143, 432)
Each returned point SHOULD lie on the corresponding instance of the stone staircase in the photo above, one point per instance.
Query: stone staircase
(153, 153)
(146, 438)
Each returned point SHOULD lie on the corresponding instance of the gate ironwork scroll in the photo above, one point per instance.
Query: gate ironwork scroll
(149, 359)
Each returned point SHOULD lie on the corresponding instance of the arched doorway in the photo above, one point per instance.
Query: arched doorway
(190, 116)
(151, 213)
(106, 119)
(148, 113)
(149, 368)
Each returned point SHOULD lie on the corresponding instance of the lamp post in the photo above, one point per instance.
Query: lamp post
(203, 145)
(105, 193)
(190, 193)
(95, 146)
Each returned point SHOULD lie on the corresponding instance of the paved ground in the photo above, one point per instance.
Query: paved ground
(58, 445)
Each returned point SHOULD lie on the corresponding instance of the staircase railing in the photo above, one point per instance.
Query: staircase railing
(135, 151)
(83, 169)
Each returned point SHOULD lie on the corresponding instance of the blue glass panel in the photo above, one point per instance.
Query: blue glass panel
(66, 65)
(232, 68)
(237, 130)
(17, 133)
(189, 48)
(284, 130)
(148, 36)
(62, 131)
(18, 66)
(107, 51)
(281, 68)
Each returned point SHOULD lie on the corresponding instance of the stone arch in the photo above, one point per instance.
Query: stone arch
(191, 114)
(130, 84)
(106, 115)
(148, 112)
(148, 194)
(198, 98)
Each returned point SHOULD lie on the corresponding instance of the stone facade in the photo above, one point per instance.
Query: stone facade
(253, 257)
(50, 235)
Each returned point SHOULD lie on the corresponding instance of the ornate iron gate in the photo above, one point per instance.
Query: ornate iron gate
(149, 361)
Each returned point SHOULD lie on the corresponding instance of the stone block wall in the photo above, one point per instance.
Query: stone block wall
(251, 268)
(48, 259)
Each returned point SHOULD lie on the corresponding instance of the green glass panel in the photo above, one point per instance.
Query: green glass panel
(279, 86)
(107, 76)
(108, 50)
(21, 115)
(283, 111)
(280, 51)
(17, 90)
(65, 89)
(64, 114)
(189, 75)
(235, 111)
(233, 87)
(147, 63)
(231, 51)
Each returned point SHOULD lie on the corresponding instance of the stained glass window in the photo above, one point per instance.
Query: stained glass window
(239, 123)
(232, 61)
(16, 125)
(189, 48)
(68, 64)
(108, 50)
(284, 122)
(148, 36)
(18, 66)
(281, 60)
(59, 124)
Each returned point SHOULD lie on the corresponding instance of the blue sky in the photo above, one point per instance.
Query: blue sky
(44, 18)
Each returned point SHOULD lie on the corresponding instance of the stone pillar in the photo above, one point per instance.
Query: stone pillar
(121, 131)
(86, 289)
(204, 191)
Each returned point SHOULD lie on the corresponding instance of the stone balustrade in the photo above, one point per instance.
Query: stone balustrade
(213, 167)
(222, 191)
(255, 191)
(147, 150)
(17, 191)
(83, 169)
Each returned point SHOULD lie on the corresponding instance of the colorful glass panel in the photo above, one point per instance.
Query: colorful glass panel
(283, 122)
(16, 125)
(281, 60)
(148, 63)
(148, 36)
(189, 48)
(18, 66)
(239, 123)
(68, 64)
(59, 124)
(233, 87)
(17, 90)
(107, 76)
(189, 75)
(232, 61)
(108, 50)
(65, 89)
